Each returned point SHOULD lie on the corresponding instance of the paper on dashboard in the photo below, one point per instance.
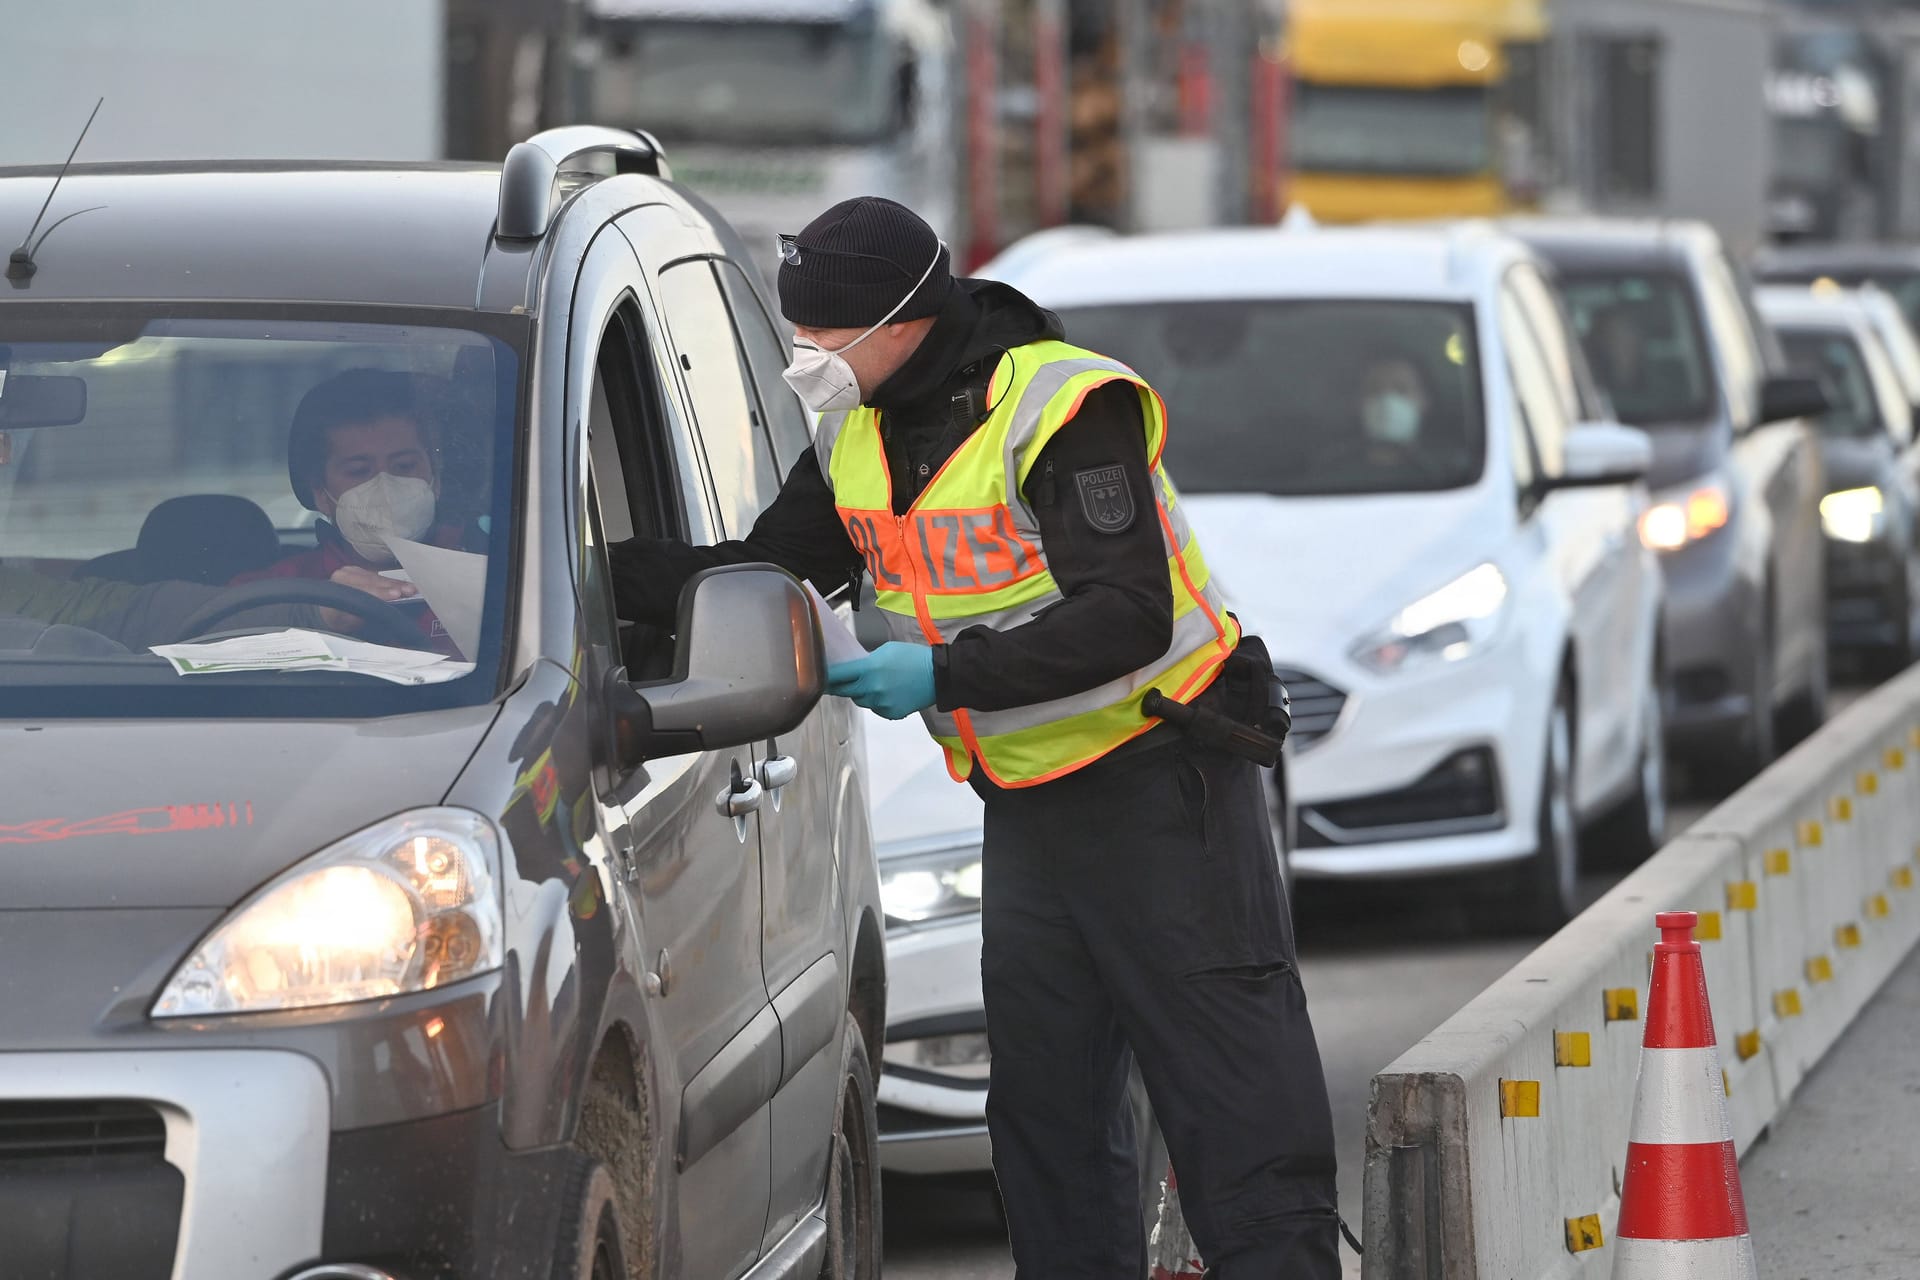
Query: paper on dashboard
(454, 584)
(300, 650)
(841, 644)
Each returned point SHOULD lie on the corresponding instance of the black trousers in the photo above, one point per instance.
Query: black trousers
(1136, 906)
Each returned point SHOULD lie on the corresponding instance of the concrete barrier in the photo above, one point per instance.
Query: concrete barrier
(1495, 1145)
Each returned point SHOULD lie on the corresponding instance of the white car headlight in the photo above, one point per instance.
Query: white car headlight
(931, 886)
(408, 904)
(1853, 515)
(1446, 624)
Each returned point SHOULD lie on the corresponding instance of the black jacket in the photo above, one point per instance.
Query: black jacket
(1117, 612)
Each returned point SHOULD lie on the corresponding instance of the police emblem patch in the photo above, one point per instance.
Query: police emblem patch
(1105, 498)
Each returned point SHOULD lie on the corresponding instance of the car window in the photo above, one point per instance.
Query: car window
(1305, 396)
(1644, 341)
(1549, 326)
(726, 412)
(146, 446)
(1533, 382)
(1837, 360)
(768, 354)
(1733, 332)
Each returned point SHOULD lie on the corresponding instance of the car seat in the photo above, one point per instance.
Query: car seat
(201, 537)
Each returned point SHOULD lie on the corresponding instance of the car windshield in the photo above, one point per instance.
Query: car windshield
(1642, 336)
(759, 83)
(220, 486)
(1305, 397)
(1836, 359)
(1337, 129)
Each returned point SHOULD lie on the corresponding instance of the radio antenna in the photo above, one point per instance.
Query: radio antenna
(20, 261)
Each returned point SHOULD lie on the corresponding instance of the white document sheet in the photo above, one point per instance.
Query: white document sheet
(842, 644)
(298, 650)
(454, 584)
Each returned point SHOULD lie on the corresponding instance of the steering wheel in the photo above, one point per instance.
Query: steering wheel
(385, 624)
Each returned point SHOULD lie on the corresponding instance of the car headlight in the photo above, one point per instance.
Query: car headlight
(964, 1056)
(931, 886)
(408, 904)
(1853, 515)
(1446, 624)
(1673, 522)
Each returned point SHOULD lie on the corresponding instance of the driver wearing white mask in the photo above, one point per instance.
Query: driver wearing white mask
(1393, 405)
(360, 455)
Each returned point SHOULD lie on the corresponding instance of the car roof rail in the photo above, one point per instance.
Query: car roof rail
(532, 178)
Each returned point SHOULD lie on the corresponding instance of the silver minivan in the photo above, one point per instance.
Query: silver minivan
(472, 933)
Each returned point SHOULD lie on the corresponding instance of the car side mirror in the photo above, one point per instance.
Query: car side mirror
(749, 663)
(1603, 453)
(1793, 395)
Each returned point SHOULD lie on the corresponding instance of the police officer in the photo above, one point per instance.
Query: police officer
(1002, 490)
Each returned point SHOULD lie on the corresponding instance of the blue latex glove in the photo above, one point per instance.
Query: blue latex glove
(894, 680)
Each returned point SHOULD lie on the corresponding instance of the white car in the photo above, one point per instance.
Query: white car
(1455, 593)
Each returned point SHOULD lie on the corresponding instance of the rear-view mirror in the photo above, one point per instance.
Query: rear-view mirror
(749, 663)
(1793, 395)
(1604, 453)
(41, 400)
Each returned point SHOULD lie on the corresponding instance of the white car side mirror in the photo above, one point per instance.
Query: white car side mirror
(1603, 453)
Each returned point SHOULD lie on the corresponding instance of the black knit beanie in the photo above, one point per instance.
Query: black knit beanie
(854, 262)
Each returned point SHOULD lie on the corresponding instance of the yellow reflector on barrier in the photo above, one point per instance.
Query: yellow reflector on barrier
(1584, 1233)
(1848, 936)
(1820, 969)
(1840, 809)
(1572, 1049)
(1878, 907)
(1779, 862)
(1742, 895)
(1623, 1004)
(1867, 783)
(1726, 1083)
(1707, 928)
(1786, 1004)
(1810, 835)
(1746, 1044)
(1895, 758)
(1902, 877)
(1913, 738)
(1519, 1098)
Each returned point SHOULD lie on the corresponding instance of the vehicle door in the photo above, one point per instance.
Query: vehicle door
(1584, 547)
(1635, 574)
(1779, 464)
(1901, 486)
(693, 856)
(802, 925)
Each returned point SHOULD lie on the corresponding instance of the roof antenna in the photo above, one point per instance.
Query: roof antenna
(20, 261)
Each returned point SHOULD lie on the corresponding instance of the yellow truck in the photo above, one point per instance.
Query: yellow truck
(1415, 108)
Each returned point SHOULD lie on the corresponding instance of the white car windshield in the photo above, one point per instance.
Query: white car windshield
(1305, 397)
(172, 479)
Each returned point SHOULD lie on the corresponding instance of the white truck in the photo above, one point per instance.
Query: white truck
(775, 109)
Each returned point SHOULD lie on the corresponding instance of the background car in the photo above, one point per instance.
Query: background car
(1670, 331)
(1893, 267)
(563, 960)
(1457, 604)
(1871, 512)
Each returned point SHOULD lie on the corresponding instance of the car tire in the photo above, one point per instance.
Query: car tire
(853, 1168)
(1808, 710)
(1637, 828)
(590, 1244)
(1542, 893)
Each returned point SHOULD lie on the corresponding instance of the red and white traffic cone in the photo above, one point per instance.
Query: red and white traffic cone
(1682, 1216)
(1170, 1250)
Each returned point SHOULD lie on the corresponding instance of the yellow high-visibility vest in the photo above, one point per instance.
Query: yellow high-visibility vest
(968, 553)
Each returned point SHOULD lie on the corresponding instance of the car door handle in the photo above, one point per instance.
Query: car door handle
(776, 772)
(740, 799)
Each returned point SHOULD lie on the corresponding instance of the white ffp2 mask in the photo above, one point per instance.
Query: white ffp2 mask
(823, 379)
(387, 506)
